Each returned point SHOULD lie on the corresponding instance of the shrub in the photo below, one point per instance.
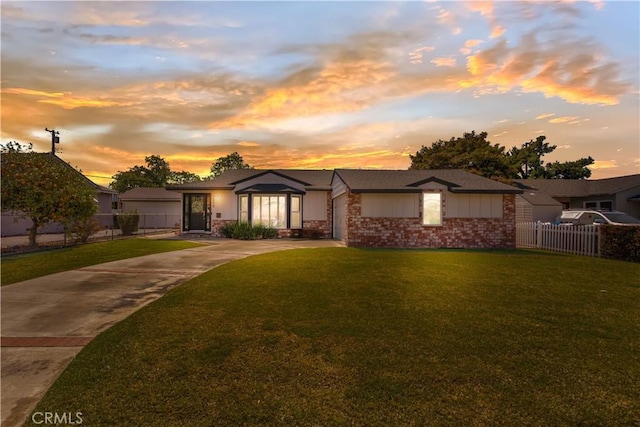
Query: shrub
(245, 231)
(620, 242)
(81, 229)
(129, 222)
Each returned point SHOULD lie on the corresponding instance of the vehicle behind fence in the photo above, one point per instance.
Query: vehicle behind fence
(573, 239)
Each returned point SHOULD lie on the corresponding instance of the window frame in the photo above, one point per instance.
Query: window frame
(425, 196)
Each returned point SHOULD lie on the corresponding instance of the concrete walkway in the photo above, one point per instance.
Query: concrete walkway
(46, 321)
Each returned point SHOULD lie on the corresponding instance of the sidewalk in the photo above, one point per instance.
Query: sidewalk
(68, 309)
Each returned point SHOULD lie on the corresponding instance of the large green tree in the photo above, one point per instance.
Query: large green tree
(576, 169)
(472, 152)
(157, 173)
(44, 188)
(527, 159)
(230, 161)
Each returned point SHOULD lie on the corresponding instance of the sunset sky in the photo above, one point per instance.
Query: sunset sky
(319, 84)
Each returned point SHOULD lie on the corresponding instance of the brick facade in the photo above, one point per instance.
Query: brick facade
(410, 233)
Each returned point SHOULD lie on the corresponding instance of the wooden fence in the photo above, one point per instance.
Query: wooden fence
(574, 239)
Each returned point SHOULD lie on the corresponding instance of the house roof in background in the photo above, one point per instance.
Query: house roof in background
(408, 181)
(150, 194)
(538, 198)
(581, 187)
(98, 188)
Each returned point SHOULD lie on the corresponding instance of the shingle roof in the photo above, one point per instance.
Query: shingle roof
(147, 193)
(314, 179)
(457, 181)
(538, 198)
(54, 158)
(581, 187)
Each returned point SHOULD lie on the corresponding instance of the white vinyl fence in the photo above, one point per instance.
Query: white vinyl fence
(574, 239)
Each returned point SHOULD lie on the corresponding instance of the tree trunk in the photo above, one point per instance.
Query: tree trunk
(33, 232)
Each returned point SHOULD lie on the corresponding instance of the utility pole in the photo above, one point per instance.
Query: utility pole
(55, 139)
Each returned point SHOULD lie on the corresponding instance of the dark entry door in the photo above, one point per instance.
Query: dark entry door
(196, 210)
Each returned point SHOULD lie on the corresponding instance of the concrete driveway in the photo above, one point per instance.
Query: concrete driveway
(46, 321)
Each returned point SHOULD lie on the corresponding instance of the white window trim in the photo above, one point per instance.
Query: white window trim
(439, 193)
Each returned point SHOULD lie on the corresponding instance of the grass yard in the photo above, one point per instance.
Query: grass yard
(342, 336)
(16, 268)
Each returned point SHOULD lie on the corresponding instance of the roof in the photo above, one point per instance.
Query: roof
(408, 181)
(98, 188)
(581, 187)
(150, 194)
(312, 179)
(538, 198)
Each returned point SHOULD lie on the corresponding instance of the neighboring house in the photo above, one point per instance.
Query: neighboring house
(620, 193)
(158, 207)
(371, 208)
(534, 206)
(13, 224)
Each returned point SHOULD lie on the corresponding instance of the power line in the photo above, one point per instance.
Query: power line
(98, 176)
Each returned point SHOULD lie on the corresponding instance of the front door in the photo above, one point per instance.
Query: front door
(196, 212)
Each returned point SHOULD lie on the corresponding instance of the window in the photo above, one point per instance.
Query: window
(601, 205)
(244, 208)
(270, 211)
(296, 217)
(431, 208)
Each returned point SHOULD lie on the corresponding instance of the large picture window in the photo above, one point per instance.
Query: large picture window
(431, 208)
(270, 211)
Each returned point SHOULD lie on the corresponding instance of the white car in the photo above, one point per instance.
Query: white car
(591, 217)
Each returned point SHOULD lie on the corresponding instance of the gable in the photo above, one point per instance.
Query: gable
(270, 182)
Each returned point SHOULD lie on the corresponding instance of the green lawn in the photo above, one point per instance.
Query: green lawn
(343, 336)
(16, 268)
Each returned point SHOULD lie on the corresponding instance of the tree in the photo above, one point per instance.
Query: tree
(471, 152)
(231, 161)
(42, 187)
(576, 169)
(474, 153)
(183, 177)
(527, 160)
(157, 173)
(16, 147)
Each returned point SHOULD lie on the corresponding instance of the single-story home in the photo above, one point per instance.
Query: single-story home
(367, 208)
(536, 206)
(158, 207)
(15, 224)
(620, 193)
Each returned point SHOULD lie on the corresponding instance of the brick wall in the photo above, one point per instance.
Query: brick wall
(410, 233)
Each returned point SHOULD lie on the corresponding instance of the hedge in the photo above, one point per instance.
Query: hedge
(620, 242)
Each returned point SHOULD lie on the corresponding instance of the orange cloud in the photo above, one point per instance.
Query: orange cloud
(545, 115)
(32, 92)
(559, 71)
(339, 87)
(603, 164)
(63, 99)
(444, 62)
